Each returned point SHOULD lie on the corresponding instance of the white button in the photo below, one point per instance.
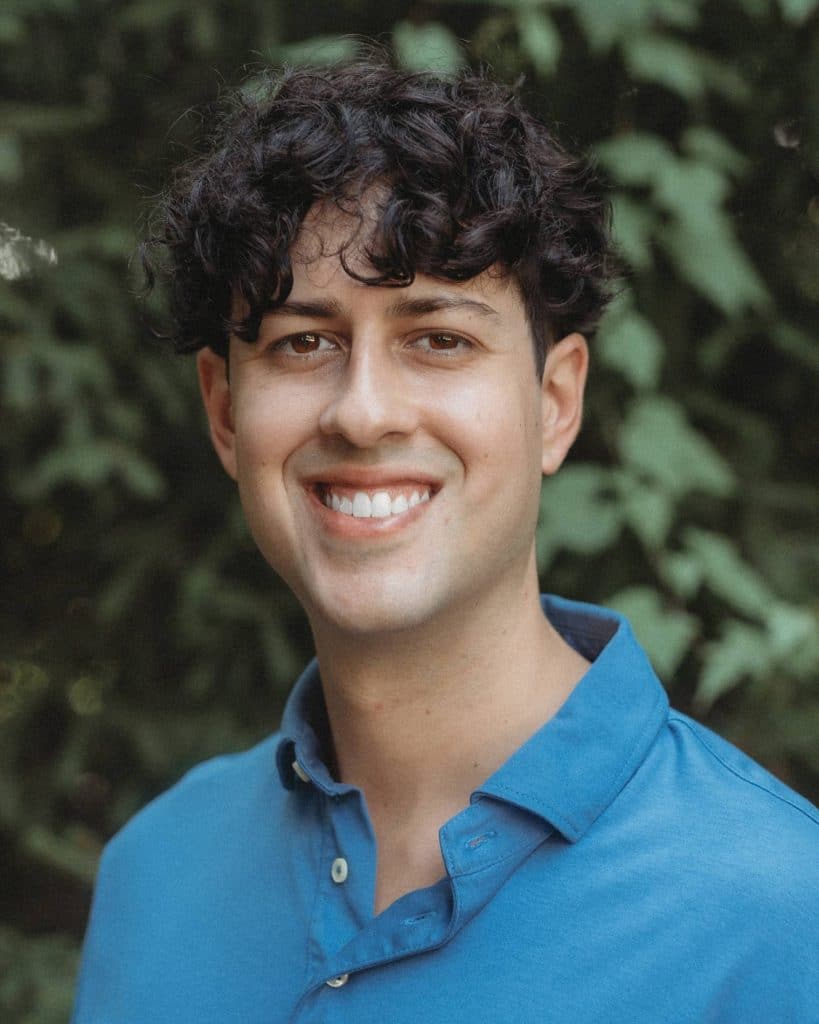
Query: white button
(337, 982)
(338, 872)
(302, 774)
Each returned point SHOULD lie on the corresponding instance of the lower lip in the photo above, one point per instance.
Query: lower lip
(365, 526)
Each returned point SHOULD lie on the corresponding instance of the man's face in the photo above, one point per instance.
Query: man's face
(388, 443)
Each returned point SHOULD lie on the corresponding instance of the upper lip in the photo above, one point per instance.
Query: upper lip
(370, 478)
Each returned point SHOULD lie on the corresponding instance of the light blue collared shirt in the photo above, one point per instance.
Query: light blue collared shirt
(624, 865)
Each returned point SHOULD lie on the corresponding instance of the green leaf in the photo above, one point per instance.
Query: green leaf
(794, 634)
(628, 342)
(37, 977)
(657, 440)
(683, 572)
(798, 10)
(708, 256)
(30, 119)
(679, 13)
(655, 58)
(11, 158)
(427, 47)
(633, 226)
(648, 510)
(727, 574)
(690, 190)
(637, 158)
(539, 40)
(666, 634)
(578, 512)
(604, 24)
(707, 146)
(741, 652)
(317, 50)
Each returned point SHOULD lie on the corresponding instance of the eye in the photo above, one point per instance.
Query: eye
(306, 344)
(442, 341)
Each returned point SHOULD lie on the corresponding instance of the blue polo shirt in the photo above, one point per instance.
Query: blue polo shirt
(624, 865)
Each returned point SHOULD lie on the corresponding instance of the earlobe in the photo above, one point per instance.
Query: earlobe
(564, 381)
(216, 397)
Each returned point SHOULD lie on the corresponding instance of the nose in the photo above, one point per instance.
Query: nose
(370, 402)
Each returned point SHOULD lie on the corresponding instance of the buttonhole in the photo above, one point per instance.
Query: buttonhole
(476, 841)
(419, 917)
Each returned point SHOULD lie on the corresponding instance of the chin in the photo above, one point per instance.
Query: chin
(376, 607)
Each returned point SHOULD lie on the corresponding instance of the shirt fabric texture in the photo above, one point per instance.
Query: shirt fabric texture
(624, 865)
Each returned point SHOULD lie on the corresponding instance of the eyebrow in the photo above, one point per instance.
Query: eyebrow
(326, 309)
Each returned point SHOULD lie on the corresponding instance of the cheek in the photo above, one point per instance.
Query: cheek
(495, 425)
(271, 423)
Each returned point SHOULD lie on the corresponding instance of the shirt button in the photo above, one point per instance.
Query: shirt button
(302, 774)
(338, 981)
(338, 872)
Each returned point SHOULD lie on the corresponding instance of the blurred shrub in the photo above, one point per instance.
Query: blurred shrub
(140, 631)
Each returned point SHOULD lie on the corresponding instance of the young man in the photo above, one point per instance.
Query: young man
(479, 806)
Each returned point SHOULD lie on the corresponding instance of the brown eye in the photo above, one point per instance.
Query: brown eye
(306, 344)
(442, 341)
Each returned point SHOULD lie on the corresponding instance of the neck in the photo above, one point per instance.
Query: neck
(420, 719)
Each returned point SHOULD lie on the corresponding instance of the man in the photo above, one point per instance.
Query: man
(479, 806)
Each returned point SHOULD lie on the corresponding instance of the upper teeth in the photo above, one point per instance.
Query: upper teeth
(377, 505)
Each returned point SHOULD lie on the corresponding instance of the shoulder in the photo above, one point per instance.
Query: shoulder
(737, 827)
(720, 772)
(217, 803)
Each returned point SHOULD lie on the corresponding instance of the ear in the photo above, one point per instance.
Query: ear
(564, 380)
(213, 383)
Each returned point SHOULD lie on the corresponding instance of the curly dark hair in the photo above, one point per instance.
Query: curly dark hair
(466, 180)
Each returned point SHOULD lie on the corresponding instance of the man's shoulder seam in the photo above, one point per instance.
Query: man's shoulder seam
(701, 735)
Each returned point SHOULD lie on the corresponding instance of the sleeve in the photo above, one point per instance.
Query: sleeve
(95, 976)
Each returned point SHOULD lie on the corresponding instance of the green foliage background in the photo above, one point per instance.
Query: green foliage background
(141, 633)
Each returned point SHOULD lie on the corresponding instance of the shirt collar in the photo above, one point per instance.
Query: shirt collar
(575, 765)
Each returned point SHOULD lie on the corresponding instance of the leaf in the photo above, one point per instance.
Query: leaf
(708, 256)
(628, 342)
(690, 190)
(793, 634)
(708, 146)
(11, 158)
(12, 28)
(578, 512)
(798, 10)
(683, 572)
(680, 13)
(27, 119)
(666, 634)
(426, 47)
(657, 440)
(604, 24)
(647, 510)
(668, 62)
(636, 158)
(329, 49)
(727, 574)
(88, 464)
(633, 225)
(741, 652)
(539, 40)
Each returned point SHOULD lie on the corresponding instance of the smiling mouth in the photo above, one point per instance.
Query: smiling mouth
(379, 503)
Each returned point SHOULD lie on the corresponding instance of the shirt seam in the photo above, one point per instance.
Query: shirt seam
(317, 898)
(737, 774)
(624, 774)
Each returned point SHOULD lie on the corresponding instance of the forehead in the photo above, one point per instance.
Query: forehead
(330, 254)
